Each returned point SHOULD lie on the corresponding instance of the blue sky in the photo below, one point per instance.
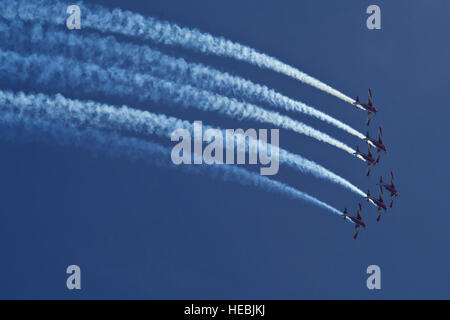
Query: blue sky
(138, 231)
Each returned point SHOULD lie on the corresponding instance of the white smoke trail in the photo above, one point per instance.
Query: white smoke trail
(140, 59)
(92, 78)
(131, 24)
(106, 117)
(113, 144)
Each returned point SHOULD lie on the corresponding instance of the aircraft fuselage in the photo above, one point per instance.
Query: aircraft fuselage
(375, 143)
(377, 203)
(364, 157)
(356, 220)
(366, 107)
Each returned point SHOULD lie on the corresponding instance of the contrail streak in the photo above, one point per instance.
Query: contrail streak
(107, 51)
(148, 28)
(91, 78)
(77, 113)
(113, 144)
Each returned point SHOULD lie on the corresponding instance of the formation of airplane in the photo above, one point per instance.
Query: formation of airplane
(389, 187)
(356, 220)
(368, 157)
(366, 106)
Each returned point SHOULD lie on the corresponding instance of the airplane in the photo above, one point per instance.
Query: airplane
(377, 202)
(366, 106)
(378, 144)
(390, 187)
(368, 158)
(357, 220)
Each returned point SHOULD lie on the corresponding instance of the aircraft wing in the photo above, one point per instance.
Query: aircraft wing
(368, 170)
(369, 117)
(379, 214)
(356, 231)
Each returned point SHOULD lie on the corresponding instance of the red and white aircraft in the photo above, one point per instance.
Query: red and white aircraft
(378, 144)
(367, 158)
(366, 106)
(379, 203)
(357, 220)
(390, 187)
